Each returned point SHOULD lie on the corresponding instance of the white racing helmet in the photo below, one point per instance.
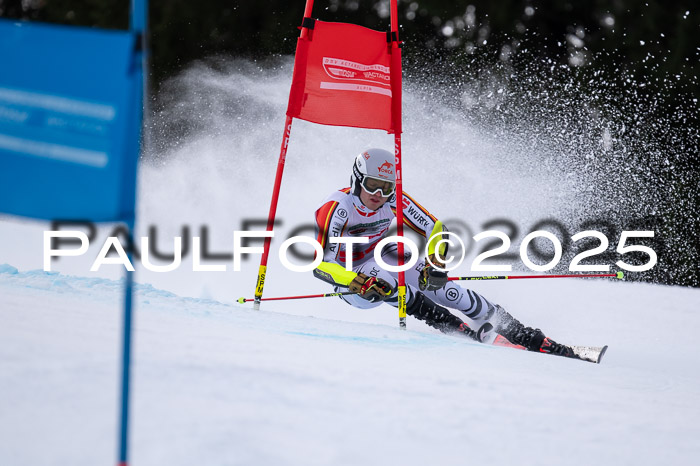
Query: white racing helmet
(376, 164)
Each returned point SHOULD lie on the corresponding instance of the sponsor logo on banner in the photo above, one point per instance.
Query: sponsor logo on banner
(352, 76)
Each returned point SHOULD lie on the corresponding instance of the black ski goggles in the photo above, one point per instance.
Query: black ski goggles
(378, 186)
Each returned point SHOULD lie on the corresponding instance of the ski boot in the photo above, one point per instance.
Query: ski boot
(531, 339)
(422, 308)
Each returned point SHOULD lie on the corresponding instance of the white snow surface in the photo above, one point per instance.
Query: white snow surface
(316, 382)
(225, 385)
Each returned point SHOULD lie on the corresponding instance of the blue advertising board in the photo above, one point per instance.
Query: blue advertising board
(70, 121)
(71, 106)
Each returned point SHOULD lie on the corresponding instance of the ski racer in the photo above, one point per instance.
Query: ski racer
(367, 209)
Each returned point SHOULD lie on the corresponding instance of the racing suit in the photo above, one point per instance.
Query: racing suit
(343, 215)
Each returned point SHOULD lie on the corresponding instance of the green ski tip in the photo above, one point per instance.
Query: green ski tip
(241, 300)
(620, 275)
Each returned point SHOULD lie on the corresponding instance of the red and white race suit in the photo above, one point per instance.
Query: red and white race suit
(342, 214)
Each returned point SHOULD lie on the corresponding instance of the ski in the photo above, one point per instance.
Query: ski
(589, 353)
(584, 353)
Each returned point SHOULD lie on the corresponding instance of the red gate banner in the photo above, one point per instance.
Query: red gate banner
(342, 77)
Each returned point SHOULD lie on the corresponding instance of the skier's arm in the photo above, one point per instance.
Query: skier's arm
(423, 222)
(370, 288)
(431, 277)
(417, 217)
(330, 224)
(335, 274)
(434, 245)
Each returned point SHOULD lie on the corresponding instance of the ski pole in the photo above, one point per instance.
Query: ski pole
(618, 275)
(326, 295)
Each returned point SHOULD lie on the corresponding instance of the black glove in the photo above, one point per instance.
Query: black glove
(432, 279)
(370, 288)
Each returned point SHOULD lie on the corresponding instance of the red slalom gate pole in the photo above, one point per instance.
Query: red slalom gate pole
(323, 295)
(618, 275)
(262, 270)
(395, 76)
(260, 284)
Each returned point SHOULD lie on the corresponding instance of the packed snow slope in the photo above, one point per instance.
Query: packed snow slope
(315, 381)
(225, 385)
